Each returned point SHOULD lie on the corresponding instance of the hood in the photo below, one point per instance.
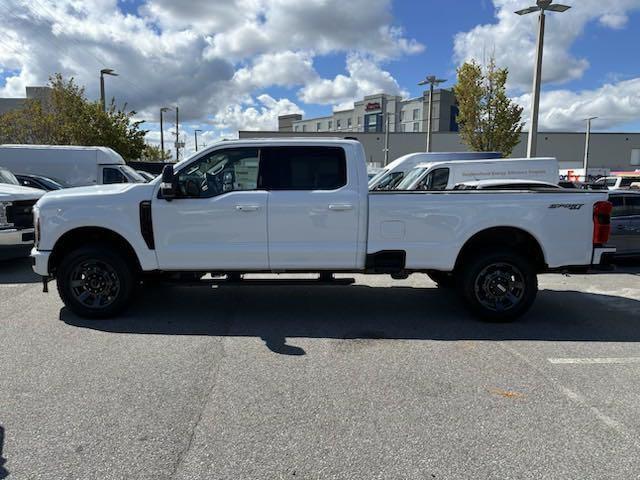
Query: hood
(97, 194)
(10, 192)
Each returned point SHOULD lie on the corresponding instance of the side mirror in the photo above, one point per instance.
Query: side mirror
(168, 187)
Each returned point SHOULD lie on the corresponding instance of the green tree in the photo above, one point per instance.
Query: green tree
(67, 117)
(153, 153)
(489, 120)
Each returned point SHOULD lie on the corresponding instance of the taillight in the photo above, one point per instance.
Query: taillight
(601, 222)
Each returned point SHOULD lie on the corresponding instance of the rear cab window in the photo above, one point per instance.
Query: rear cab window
(303, 168)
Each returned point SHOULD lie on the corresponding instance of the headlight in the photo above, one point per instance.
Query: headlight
(4, 222)
(36, 224)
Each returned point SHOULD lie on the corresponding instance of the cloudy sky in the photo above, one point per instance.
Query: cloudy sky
(238, 64)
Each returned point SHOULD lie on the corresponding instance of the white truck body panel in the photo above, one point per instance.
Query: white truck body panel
(73, 165)
(541, 169)
(262, 230)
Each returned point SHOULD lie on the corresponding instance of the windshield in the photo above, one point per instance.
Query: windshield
(389, 181)
(7, 177)
(134, 176)
(411, 177)
(377, 177)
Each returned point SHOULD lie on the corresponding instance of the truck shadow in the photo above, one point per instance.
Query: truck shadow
(359, 312)
(17, 271)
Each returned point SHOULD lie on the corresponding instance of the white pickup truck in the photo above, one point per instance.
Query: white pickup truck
(302, 205)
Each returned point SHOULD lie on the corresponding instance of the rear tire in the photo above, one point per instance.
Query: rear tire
(95, 282)
(499, 286)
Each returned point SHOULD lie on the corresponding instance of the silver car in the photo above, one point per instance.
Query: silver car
(625, 222)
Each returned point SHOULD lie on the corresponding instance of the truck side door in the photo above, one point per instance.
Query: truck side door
(313, 208)
(219, 219)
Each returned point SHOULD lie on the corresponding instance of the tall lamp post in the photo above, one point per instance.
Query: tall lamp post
(162, 110)
(177, 136)
(541, 6)
(195, 136)
(103, 72)
(432, 81)
(586, 148)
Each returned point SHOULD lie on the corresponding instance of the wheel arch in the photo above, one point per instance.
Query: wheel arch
(83, 236)
(514, 238)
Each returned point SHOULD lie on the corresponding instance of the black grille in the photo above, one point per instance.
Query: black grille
(20, 213)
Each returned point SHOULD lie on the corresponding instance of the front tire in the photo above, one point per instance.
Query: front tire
(95, 282)
(499, 286)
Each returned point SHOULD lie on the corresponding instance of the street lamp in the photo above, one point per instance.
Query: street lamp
(541, 6)
(177, 136)
(162, 110)
(432, 81)
(103, 72)
(586, 147)
(195, 136)
(386, 136)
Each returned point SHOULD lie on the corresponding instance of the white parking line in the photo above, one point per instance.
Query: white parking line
(594, 360)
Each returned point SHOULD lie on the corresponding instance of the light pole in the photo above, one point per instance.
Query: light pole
(103, 72)
(195, 136)
(177, 136)
(162, 110)
(432, 81)
(586, 148)
(541, 6)
(386, 137)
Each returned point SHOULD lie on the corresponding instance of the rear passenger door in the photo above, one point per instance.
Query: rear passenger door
(313, 208)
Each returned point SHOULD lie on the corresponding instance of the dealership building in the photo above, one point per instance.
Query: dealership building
(380, 119)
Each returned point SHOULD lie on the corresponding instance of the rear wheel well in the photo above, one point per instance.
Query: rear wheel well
(515, 239)
(84, 236)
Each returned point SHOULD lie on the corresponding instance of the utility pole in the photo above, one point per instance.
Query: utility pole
(541, 6)
(387, 143)
(431, 80)
(177, 136)
(586, 148)
(195, 136)
(103, 72)
(162, 110)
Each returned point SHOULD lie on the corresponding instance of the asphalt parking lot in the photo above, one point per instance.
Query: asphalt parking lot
(380, 379)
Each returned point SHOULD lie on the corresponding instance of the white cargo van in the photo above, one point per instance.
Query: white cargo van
(74, 166)
(446, 175)
(392, 174)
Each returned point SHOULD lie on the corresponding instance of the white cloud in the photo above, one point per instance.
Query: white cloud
(512, 39)
(365, 77)
(260, 115)
(614, 104)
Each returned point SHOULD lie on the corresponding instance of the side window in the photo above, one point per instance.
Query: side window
(112, 175)
(627, 181)
(633, 205)
(303, 168)
(436, 180)
(220, 172)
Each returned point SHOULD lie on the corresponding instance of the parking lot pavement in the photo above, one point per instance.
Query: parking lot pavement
(380, 379)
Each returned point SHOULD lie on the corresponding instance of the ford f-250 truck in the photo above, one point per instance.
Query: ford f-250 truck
(302, 205)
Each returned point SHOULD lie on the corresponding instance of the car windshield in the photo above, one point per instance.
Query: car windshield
(134, 176)
(411, 177)
(377, 177)
(7, 177)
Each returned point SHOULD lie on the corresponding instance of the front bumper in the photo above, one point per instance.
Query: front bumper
(40, 260)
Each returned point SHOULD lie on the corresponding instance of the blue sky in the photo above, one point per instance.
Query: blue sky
(238, 64)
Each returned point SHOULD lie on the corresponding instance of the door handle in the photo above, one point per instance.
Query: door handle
(247, 208)
(340, 207)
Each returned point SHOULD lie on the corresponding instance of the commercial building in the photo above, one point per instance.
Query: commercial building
(32, 93)
(382, 112)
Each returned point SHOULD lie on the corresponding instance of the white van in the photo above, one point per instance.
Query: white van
(392, 174)
(446, 175)
(72, 165)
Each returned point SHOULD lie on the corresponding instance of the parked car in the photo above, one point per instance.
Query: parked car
(391, 175)
(617, 182)
(38, 181)
(506, 185)
(625, 222)
(445, 175)
(71, 165)
(302, 205)
(146, 175)
(16, 216)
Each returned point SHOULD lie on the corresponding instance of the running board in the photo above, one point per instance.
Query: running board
(223, 282)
